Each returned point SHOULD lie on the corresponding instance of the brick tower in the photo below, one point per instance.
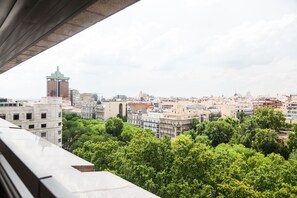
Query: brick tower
(58, 85)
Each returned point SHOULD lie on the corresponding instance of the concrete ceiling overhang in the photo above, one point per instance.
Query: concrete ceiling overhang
(28, 27)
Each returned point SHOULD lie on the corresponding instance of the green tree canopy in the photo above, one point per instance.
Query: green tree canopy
(219, 132)
(266, 141)
(292, 138)
(114, 126)
(268, 118)
(209, 162)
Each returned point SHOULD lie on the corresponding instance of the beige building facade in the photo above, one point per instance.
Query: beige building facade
(111, 109)
(173, 125)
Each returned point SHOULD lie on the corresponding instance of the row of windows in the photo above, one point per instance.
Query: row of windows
(16, 116)
(9, 105)
(153, 121)
(32, 126)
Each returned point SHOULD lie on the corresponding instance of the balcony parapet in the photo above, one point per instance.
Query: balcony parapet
(32, 166)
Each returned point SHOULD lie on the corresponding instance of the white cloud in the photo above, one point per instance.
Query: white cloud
(184, 48)
(255, 43)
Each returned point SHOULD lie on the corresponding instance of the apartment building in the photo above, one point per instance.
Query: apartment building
(266, 102)
(74, 97)
(290, 109)
(88, 105)
(172, 120)
(291, 113)
(214, 114)
(244, 107)
(111, 109)
(135, 119)
(175, 124)
(227, 109)
(42, 118)
(152, 121)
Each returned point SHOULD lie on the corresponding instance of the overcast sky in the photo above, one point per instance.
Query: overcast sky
(174, 48)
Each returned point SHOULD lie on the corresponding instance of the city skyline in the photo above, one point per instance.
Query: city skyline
(169, 48)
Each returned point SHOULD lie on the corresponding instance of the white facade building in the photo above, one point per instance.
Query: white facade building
(291, 112)
(42, 118)
(244, 107)
(151, 120)
(135, 119)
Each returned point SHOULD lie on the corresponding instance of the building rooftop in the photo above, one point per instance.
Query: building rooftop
(57, 75)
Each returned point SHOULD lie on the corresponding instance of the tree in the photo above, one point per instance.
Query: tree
(268, 118)
(241, 116)
(128, 132)
(200, 128)
(292, 141)
(186, 166)
(194, 123)
(293, 155)
(203, 139)
(104, 154)
(218, 132)
(114, 126)
(233, 121)
(72, 128)
(124, 118)
(245, 133)
(266, 141)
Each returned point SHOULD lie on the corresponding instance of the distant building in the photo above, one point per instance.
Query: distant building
(174, 124)
(111, 109)
(152, 121)
(74, 97)
(145, 97)
(3, 99)
(135, 110)
(136, 107)
(119, 98)
(164, 105)
(291, 109)
(214, 114)
(88, 105)
(201, 112)
(58, 85)
(135, 119)
(228, 109)
(244, 107)
(266, 102)
(42, 118)
(84, 104)
(168, 117)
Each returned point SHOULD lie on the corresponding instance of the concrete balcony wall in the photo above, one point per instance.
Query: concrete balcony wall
(39, 168)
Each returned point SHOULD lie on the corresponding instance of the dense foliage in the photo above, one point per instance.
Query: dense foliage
(224, 158)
